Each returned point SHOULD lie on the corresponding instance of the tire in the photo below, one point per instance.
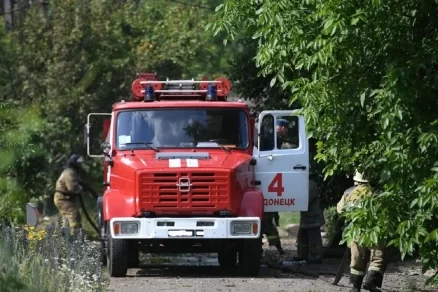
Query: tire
(227, 258)
(133, 255)
(250, 257)
(117, 256)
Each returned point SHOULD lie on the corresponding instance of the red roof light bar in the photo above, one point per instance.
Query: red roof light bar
(177, 89)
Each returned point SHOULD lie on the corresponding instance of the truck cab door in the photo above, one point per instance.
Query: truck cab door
(282, 154)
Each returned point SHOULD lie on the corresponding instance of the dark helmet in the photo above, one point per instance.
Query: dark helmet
(282, 123)
(75, 161)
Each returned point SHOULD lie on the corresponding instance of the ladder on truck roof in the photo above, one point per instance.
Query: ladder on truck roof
(147, 88)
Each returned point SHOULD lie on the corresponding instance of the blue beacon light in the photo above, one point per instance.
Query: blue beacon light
(149, 93)
(211, 92)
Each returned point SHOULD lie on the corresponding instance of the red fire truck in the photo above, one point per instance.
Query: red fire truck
(185, 170)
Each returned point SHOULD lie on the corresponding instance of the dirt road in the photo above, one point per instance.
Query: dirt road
(202, 273)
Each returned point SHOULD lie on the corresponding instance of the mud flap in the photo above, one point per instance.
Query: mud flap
(32, 215)
(102, 232)
(101, 223)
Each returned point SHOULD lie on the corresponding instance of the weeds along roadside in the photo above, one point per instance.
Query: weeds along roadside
(46, 260)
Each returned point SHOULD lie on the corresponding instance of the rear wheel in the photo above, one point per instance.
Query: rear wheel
(227, 258)
(117, 256)
(250, 257)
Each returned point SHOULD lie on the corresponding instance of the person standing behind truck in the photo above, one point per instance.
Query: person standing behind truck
(67, 190)
(271, 231)
(309, 239)
(360, 255)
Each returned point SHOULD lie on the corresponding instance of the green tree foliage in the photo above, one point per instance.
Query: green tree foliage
(169, 38)
(257, 89)
(18, 124)
(250, 84)
(69, 58)
(365, 75)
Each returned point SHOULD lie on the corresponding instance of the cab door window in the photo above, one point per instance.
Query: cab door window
(288, 136)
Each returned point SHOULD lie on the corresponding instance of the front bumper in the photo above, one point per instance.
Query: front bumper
(185, 228)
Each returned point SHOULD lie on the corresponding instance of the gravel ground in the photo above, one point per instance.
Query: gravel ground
(202, 273)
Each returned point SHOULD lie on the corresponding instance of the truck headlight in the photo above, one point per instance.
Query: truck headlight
(244, 227)
(126, 228)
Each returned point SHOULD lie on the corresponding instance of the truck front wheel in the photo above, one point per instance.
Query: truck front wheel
(227, 258)
(117, 256)
(250, 257)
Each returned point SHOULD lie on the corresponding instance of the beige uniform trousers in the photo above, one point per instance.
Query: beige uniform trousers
(377, 258)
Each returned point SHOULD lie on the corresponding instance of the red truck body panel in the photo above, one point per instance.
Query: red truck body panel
(218, 184)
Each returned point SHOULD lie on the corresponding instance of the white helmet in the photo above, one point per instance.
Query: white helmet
(358, 177)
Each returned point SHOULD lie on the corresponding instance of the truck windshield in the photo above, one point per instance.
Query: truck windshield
(182, 128)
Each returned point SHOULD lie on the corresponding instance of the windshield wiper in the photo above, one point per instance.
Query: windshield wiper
(219, 145)
(225, 148)
(148, 144)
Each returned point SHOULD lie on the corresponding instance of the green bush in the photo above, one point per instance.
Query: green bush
(47, 261)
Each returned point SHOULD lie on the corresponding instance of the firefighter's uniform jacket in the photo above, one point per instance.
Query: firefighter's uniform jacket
(359, 255)
(65, 198)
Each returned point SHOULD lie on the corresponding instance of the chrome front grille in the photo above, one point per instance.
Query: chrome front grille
(195, 190)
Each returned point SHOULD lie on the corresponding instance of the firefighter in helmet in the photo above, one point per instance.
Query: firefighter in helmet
(282, 130)
(68, 188)
(377, 256)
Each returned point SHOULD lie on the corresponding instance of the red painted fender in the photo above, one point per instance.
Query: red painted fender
(116, 204)
(252, 204)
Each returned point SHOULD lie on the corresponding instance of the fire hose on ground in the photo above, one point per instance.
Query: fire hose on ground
(93, 193)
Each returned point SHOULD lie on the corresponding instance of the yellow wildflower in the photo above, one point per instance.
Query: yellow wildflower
(33, 235)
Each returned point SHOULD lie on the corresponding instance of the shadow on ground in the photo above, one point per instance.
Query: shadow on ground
(206, 265)
(196, 272)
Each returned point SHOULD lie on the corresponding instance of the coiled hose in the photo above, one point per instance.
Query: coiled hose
(93, 193)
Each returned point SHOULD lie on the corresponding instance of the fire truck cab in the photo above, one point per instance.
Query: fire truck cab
(185, 170)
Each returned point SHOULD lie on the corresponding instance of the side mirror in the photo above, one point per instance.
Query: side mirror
(96, 131)
(106, 148)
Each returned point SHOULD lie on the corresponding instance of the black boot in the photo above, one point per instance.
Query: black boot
(356, 280)
(373, 281)
(280, 249)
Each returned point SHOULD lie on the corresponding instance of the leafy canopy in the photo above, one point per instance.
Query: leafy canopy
(256, 89)
(66, 59)
(365, 74)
